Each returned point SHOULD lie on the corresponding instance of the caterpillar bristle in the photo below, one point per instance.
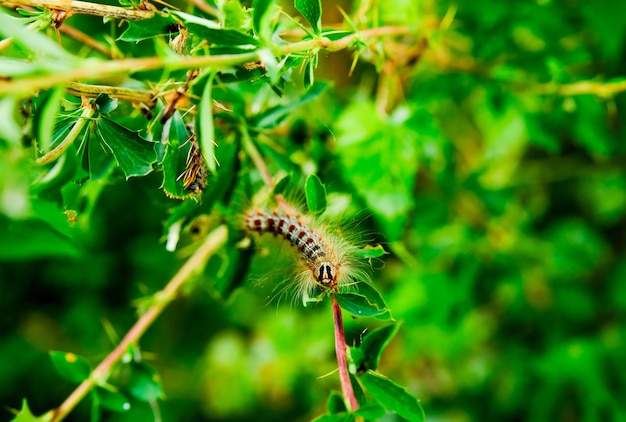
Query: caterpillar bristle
(326, 261)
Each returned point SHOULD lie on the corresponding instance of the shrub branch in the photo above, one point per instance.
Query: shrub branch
(342, 361)
(87, 8)
(194, 264)
(88, 112)
(97, 70)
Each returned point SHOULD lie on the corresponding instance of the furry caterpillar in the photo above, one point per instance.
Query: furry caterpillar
(195, 174)
(326, 257)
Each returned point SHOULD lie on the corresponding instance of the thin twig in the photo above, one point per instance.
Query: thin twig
(195, 263)
(125, 94)
(102, 69)
(72, 32)
(342, 361)
(254, 154)
(600, 89)
(206, 8)
(86, 8)
(88, 112)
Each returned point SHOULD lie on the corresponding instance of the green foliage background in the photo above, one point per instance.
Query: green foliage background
(488, 155)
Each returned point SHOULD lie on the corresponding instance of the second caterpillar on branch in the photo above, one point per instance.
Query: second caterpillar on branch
(328, 260)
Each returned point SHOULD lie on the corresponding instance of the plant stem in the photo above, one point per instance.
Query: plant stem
(87, 8)
(254, 154)
(342, 361)
(52, 155)
(195, 263)
(96, 70)
(80, 36)
(124, 94)
(600, 89)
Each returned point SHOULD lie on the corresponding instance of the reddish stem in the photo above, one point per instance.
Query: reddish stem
(342, 362)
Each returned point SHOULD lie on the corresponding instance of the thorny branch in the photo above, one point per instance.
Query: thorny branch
(214, 241)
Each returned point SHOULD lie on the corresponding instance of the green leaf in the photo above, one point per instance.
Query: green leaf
(341, 417)
(358, 390)
(11, 129)
(150, 28)
(134, 155)
(25, 415)
(370, 252)
(234, 14)
(31, 239)
(370, 411)
(226, 155)
(111, 400)
(62, 171)
(106, 104)
(335, 403)
(358, 305)
(315, 195)
(46, 115)
(260, 19)
(234, 274)
(9, 67)
(373, 344)
(272, 66)
(174, 161)
(206, 127)
(70, 366)
(227, 37)
(309, 74)
(51, 213)
(365, 141)
(312, 11)
(144, 383)
(100, 160)
(334, 34)
(282, 185)
(372, 295)
(273, 116)
(392, 396)
(42, 47)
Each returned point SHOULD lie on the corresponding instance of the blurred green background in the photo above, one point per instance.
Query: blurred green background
(498, 189)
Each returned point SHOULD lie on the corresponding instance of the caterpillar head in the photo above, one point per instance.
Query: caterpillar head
(326, 274)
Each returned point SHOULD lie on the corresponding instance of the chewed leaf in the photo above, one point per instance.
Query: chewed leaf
(374, 297)
(369, 252)
(359, 305)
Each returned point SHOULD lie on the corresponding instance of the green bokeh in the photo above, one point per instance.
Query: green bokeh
(502, 204)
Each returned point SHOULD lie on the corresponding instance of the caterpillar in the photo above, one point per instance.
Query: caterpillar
(194, 177)
(327, 258)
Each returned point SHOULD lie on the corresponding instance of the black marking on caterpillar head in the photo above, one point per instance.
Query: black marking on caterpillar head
(326, 276)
